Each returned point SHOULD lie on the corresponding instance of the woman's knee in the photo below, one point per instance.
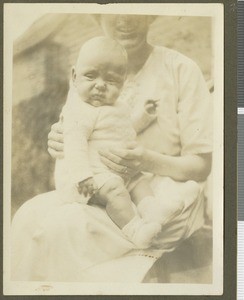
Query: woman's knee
(67, 220)
(26, 213)
(36, 208)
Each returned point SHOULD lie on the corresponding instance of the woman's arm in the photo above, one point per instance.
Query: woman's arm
(135, 158)
(181, 168)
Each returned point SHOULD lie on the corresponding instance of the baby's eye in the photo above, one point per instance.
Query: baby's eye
(112, 80)
(90, 76)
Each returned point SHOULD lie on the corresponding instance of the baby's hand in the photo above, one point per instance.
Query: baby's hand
(87, 187)
(151, 106)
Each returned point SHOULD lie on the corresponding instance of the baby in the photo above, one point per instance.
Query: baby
(94, 120)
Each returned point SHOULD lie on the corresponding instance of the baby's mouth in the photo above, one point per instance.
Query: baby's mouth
(98, 97)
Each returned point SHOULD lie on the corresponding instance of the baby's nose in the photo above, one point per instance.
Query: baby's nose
(100, 84)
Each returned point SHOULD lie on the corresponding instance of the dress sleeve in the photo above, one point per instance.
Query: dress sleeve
(78, 120)
(194, 110)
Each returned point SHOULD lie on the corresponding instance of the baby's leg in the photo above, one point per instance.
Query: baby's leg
(116, 198)
(149, 206)
(140, 191)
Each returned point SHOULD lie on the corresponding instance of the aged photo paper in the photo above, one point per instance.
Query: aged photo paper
(166, 62)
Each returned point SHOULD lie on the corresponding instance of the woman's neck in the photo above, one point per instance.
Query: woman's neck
(137, 58)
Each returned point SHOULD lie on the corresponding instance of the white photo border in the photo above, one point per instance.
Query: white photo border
(213, 10)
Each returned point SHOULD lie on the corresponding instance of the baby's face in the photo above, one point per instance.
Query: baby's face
(99, 77)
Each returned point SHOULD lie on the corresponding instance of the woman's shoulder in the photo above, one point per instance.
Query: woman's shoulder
(174, 58)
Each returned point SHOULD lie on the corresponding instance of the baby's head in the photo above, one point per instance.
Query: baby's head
(100, 71)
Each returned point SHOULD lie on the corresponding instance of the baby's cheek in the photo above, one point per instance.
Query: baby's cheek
(115, 92)
(84, 89)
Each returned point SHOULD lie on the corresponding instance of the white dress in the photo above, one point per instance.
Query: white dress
(74, 242)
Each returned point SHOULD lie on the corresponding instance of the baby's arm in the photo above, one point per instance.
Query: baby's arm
(76, 152)
(78, 123)
(142, 119)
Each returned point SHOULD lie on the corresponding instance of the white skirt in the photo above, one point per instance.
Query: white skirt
(73, 242)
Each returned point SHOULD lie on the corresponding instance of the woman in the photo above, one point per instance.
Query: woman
(80, 243)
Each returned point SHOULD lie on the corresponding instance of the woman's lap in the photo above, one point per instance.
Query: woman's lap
(75, 237)
(54, 241)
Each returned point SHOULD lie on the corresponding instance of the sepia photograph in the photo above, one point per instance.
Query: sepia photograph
(113, 146)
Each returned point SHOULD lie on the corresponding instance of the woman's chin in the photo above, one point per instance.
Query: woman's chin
(130, 45)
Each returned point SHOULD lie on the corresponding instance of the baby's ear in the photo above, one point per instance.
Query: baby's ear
(73, 74)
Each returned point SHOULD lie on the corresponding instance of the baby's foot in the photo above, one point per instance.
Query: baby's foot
(143, 238)
(141, 233)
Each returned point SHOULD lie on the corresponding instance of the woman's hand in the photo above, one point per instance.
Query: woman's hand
(126, 161)
(55, 141)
